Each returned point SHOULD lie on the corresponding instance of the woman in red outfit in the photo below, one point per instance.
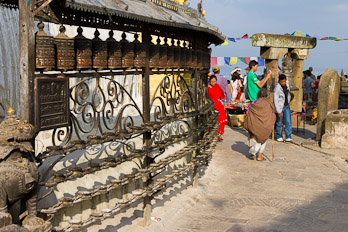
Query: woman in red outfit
(216, 94)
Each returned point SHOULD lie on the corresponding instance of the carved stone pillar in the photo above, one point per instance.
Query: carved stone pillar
(296, 103)
(272, 64)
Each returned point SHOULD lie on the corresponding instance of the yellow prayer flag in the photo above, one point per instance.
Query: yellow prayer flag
(338, 39)
(226, 42)
(299, 33)
(233, 60)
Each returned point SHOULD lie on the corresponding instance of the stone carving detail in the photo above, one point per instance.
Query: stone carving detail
(18, 173)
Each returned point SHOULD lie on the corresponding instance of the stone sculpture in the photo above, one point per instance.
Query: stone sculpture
(18, 173)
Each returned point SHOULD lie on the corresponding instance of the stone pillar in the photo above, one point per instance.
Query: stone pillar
(272, 64)
(296, 102)
(329, 90)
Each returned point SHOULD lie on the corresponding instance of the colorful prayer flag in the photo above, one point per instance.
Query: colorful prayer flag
(324, 38)
(245, 36)
(338, 39)
(260, 61)
(242, 59)
(213, 61)
(231, 39)
(308, 35)
(221, 61)
(226, 42)
(247, 60)
(233, 60)
(332, 38)
(227, 60)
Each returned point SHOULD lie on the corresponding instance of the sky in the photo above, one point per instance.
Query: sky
(314, 17)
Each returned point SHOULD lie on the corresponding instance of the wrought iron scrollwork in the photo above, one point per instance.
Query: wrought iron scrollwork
(100, 107)
(172, 96)
(202, 91)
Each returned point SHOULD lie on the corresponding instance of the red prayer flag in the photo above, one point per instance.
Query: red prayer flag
(213, 61)
(324, 38)
(245, 36)
(247, 60)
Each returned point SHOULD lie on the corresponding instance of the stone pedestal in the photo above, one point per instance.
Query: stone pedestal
(272, 64)
(329, 90)
(336, 130)
(297, 96)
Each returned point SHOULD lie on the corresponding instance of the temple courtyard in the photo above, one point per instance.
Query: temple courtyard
(304, 189)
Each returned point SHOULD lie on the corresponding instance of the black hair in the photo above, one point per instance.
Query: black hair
(235, 76)
(307, 73)
(228, 82)
(252, 63)
(282, 77)
(212, 77)
(262, 93)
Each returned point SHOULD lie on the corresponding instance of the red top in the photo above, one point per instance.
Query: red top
(216, 93)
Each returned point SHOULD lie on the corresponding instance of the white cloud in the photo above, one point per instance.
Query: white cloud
(341, 7)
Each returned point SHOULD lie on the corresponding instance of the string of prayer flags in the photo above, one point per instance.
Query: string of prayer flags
(233, 60)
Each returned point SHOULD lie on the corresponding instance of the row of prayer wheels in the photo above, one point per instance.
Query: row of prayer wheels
(79, 53)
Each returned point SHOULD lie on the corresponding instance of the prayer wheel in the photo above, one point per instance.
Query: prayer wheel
(100, 52)
(183, 57)
(177, 55)
(194, 58)
(199, 59)
(139, 53)
(45, 58)
(127, 49)
(188, 58)
(154, 54)
(114, 52)
(83, 47)
(170, 56)
(65, 51)
(163, 54)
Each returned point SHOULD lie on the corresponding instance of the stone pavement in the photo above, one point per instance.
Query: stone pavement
(302, 190)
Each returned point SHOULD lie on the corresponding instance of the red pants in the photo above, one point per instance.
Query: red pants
(222, 119)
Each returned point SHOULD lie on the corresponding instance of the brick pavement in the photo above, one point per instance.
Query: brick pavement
(302, 190)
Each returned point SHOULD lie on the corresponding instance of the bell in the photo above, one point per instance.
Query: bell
(177, 55)
(127, 49)
(163, 54)
(154, 54)
(287, 71)
(139, 53)
(65, 51)
(45, 58)
(83, 47)
(114, 52)
(100, 52)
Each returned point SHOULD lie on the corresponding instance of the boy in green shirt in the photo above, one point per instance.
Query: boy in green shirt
(253, 84)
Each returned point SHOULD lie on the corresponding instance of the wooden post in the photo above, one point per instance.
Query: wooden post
(27, 58)
(146, 39)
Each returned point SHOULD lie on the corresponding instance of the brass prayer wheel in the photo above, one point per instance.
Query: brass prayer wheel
(194, 58)
(183, 57)
(177, 55)
(189, 58)
(65, 50)
(100, 52)
(127, 49)
(170, 56)
(199, 59)
(114, 52)
(139, 53)
(83, 47)
(45, 58)
(163, 54)
(154, 54)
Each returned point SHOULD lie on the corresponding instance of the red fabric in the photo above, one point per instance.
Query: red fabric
(247, 60)
(213, 61)
(216, 93)
(245, 36)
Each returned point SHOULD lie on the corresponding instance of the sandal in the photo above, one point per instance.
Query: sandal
(263, 159)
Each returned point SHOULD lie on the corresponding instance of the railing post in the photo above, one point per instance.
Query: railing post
(195, 126)
(146, 39)
(27, 58)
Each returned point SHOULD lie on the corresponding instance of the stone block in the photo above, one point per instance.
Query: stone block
(273, 53)
(336, 130)
(329, 90)
(283, 41)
